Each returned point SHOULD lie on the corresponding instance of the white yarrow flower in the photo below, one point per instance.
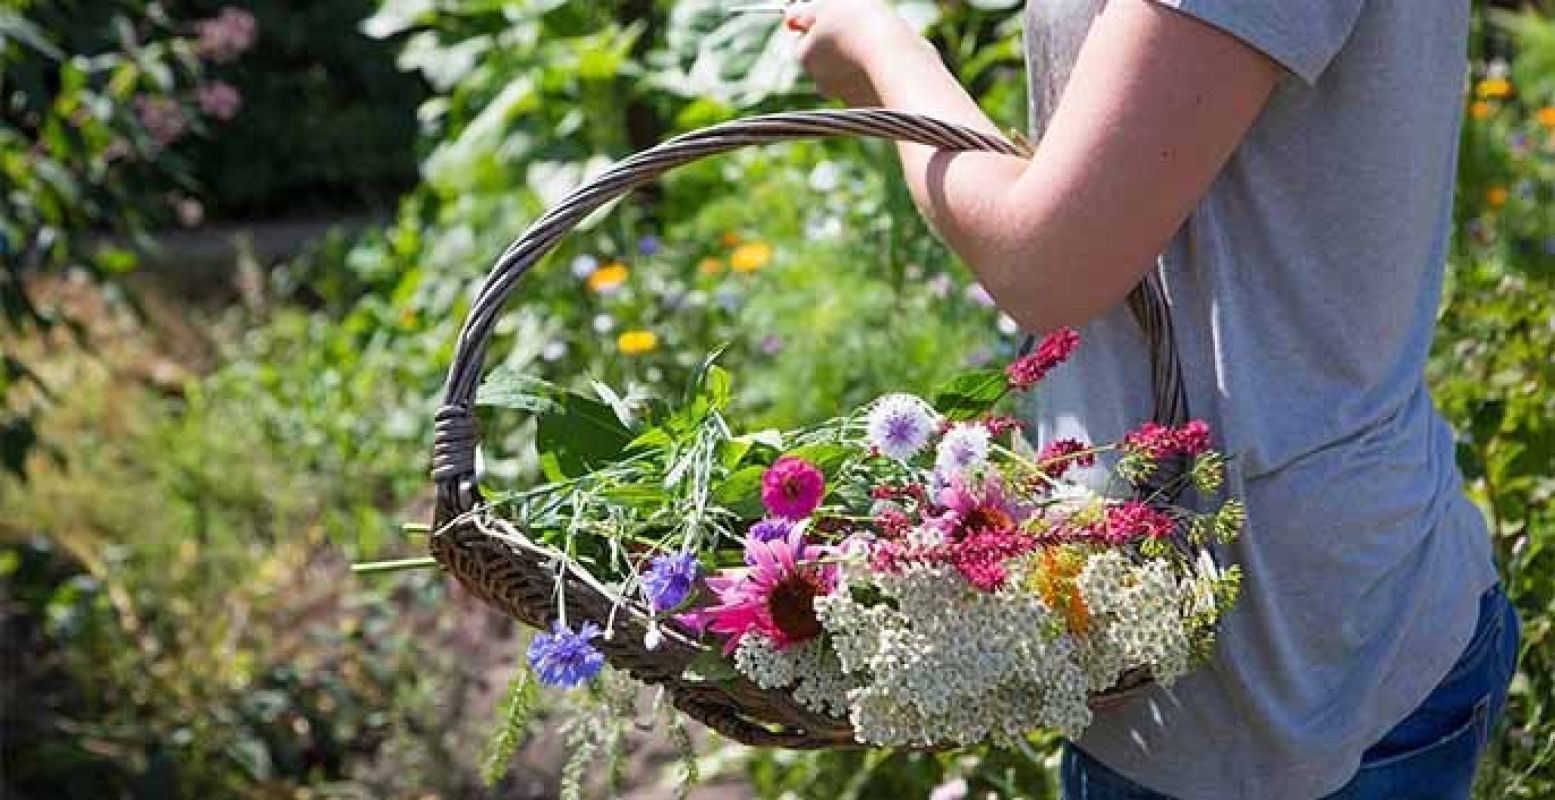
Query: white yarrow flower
(900, 425)
(962, 449)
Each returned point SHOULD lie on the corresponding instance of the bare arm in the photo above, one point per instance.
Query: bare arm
(1156, 103)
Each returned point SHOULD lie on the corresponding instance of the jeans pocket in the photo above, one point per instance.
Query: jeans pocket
(1440, 770)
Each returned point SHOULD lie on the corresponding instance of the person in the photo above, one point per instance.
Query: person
(1286, 172)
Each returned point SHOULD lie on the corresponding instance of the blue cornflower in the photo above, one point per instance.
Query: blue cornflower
(564, 658)
(767, 530)
(668, 581)
(648, 245)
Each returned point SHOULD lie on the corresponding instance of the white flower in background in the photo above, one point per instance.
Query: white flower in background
(824, 176)
(962, 449)
(604, 323)
(583, 266)
(900, 425)
(950, 790)
(554, 350)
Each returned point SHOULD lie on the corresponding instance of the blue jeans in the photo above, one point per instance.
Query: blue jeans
(1431, 755)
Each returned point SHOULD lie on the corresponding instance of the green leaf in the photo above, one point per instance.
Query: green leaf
(732, 451)
(709, 666)
(970, 395)
(718, 385)
(585, 435)
(506, 387)
(741, 492)
(636, 495)
(827, 457)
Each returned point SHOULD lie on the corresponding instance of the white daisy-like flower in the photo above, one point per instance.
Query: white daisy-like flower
(900, 425)
(962, 449)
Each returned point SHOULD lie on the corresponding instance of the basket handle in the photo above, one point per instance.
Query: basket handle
(454, 433)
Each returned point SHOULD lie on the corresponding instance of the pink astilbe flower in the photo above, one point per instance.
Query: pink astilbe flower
(1133, 520)
(1058, 457)
(1153, 440)
(792, 488)
(1193, 437)
(774, 597)
(1031, 368)
(1000, 424)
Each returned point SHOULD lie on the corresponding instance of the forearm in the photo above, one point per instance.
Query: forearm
(963, 195)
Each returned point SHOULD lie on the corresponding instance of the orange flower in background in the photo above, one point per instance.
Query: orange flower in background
(1479, 109)
(1546, 117)
(608, 277)
(1494, 87)
(637, 342)
(730, 239)
(710, 266)
(1497, 196)
(750, 257)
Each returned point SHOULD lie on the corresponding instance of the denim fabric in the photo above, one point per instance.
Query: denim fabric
(1431, 755)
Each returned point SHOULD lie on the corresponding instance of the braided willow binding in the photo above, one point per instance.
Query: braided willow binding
(496, 562)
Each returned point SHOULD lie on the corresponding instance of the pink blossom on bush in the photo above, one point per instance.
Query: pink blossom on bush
(227, 35)
(220, 100)
(163, 118)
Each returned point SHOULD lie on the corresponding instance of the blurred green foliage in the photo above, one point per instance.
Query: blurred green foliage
(182, 580)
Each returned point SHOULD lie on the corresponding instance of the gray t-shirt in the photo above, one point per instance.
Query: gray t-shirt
(1304, 290)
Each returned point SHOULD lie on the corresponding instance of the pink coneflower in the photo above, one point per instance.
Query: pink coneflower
(775, 597)
(967, 512)
(792, 488)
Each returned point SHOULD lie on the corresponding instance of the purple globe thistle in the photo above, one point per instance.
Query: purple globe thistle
(900, 425)
(669, 580)
(962, 449)
(563, 658)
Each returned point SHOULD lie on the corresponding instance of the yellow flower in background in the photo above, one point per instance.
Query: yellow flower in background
(710, 266)
(1497, 196)
(750, 257)
(1546, 117)
(637, 342)
(1479, 109)
(1494, 87)
(608, 277)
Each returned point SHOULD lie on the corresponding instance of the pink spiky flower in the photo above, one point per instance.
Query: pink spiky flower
(775, 597)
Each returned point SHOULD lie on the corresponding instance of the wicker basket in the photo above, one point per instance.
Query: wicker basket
(496, 562)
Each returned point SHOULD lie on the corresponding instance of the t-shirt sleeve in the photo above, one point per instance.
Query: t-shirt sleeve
(1302, 35)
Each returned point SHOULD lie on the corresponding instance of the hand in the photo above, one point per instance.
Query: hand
(842, 44)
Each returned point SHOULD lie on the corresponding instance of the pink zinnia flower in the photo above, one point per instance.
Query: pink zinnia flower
(775, 597)
(1055, 349)
(792, 488)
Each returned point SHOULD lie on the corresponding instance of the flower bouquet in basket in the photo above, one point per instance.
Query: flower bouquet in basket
(909, 573)
(910, 569)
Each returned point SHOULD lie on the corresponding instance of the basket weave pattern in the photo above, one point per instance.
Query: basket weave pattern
(495, 561)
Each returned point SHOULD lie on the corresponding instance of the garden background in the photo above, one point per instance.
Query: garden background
(238, 239)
